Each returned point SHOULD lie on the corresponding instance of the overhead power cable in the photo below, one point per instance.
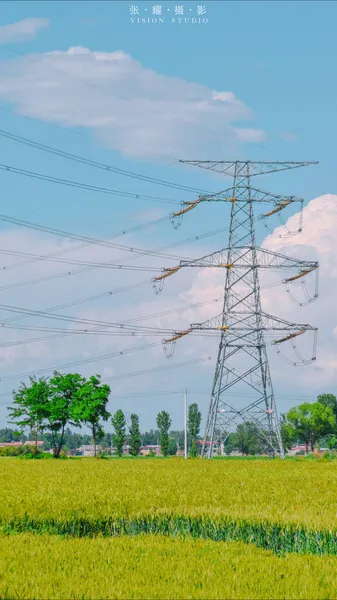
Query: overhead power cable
(100, 265)
(85, 186)
(85, 269)
(155, 369)
(108, 92)
(86, 244)
(88, 239)
(82, 362)
(49, 315)
(97, 331)
(98, 165)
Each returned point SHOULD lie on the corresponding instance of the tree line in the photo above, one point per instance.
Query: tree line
(48, 406)
(310, 424)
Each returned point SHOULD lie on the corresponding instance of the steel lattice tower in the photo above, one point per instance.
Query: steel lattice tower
(242, 360)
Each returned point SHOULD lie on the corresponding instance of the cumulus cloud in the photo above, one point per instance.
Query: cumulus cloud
(186, 287)
(105, 295)
(289, 137)
(250, 135)
(316, 242)
(21, 31)
(131, 108)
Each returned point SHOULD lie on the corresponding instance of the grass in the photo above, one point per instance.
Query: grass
(286, 493)
(168, 529)
(35, 567)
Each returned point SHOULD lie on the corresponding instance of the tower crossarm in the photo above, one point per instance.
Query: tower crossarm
(242, 259)
(242, 194)
(245, 321)
(239, 168)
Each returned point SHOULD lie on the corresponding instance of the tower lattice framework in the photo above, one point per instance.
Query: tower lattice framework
(242, 360)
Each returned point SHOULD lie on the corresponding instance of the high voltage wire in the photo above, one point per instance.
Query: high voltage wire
(49, 315)
(63, 128)
(85, 186)
(98, 165)
(127, 351)
(88, 239)
(85, 269)
(91, 331)
(7, 218)
(174, 392)
(100, 88)
(98, 265)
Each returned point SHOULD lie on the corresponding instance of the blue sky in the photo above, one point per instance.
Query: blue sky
(277, 59)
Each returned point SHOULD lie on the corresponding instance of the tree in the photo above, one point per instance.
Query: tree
(164, 424)
(309, 422)
(150, 438)
(10, 435)
(230, 442)
(172, 446)
(30, 406)
(179, 436)
(63, 391)
(135, 437)
(193, 425)
(329, 400)
(119, 425)
(246, 438)
(89, 406)
(287, 432)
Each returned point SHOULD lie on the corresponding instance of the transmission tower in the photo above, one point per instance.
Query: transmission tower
(242, 359)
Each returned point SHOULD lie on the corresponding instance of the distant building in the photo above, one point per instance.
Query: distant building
(145, 450)
(10, 444)
(216, 449)
(33, 443)
(298, 448)
(88, 450)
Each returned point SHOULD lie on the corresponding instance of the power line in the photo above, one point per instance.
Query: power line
(88, 239)
(85, 269)
(100, 265)
(97, 165)
(92, 331)
(155, 369)
(85, 186)
(100, 88)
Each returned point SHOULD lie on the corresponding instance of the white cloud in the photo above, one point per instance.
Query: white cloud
(289, 137)
(22, 31)
(134, 109)
(316, 242)
(250, 135)
(184, 288)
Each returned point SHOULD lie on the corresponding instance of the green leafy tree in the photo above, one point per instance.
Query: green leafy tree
(230, 442)
(309, 422)
(150, 438)
(63, 391)
(135, 437)
(193, 426)
(164, 424)
(119, 425)
(332, 442)
(329, 400)
(179, 436)
(89, 406)
(172, 446)
(31, 406)
(287, 433)
(247, 439)
(10, 435)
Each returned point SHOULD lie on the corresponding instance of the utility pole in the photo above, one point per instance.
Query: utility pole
(185, 422)
(242, 359)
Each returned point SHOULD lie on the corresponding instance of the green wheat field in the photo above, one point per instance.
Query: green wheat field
(170, 528)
